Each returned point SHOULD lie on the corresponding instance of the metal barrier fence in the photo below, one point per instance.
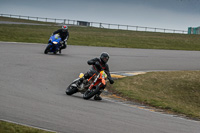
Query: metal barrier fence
(97, 24)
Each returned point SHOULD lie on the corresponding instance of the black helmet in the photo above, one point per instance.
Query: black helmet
(104, 57)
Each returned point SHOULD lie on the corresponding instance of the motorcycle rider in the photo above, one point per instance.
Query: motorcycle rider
(98, 64)
(64, 35)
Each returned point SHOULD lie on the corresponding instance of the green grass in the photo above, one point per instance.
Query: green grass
(25, 33)
(6, 127)
(90, 36)
(23, 20)
(176, 91)
(132, 39)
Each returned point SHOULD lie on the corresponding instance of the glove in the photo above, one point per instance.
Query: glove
(111, 81)
(61, 42)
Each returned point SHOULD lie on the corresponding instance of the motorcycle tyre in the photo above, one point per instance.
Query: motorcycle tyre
(47, 49)
(88, 94)
(71, 90)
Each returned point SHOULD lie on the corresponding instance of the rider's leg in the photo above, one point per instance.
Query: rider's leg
(86, 76)
(62, 47)
(97, 96)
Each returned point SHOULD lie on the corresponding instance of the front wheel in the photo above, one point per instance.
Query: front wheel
(47, 49)
(71, 90)
(90, 93)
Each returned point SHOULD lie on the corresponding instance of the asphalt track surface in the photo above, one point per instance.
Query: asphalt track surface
(32, 89)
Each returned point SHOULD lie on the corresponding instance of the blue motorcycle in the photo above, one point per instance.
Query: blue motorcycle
(53, 45)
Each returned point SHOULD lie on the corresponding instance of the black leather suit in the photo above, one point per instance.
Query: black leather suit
(64, 35)
(97, 66)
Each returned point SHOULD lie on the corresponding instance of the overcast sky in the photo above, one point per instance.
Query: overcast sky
(170, 14)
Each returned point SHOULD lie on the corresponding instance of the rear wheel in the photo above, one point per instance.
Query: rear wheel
(71, 90)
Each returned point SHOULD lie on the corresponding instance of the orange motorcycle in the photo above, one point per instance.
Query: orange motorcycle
(89, 87)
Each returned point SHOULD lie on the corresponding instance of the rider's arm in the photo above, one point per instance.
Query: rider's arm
(56, 32)
(95, 63)
(92, 61)
(107, 71)
(67, 36)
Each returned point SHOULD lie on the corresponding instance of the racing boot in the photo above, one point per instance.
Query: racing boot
(97, 97)
(78, 83)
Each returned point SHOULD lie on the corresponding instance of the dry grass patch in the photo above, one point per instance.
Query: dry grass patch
(177, 91)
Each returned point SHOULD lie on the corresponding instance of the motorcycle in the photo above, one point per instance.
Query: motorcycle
(53, 45)
(89, 87)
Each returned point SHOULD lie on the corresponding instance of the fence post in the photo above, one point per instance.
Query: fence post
(127, 27)
(46, 19)
(136, 28)
(118, 27)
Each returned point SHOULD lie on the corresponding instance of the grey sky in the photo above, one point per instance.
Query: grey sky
(170, 14)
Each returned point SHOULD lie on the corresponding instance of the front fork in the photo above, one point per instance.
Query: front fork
(100, 85)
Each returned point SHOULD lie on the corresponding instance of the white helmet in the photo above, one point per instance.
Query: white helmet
(65, 27)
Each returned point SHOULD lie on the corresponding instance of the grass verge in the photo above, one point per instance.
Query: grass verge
(7, 127)
(24, 20)
(90, 36)
(175, 91)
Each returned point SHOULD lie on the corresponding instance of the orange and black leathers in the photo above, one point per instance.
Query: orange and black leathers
(97, 66)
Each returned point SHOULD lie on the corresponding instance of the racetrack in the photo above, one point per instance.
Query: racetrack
(32, 89)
